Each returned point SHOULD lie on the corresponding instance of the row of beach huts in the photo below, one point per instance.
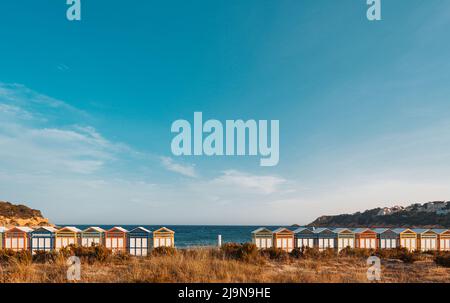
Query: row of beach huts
(340, 238)
(137, 241)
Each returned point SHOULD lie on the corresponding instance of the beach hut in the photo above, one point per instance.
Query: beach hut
(365, 238)
(427, 239)
(163, 237)
(283, 238)
(65, 236)
(116, 239)
(42, 239)
(16, 238)
(92, 236)
(304, 237)
(2, 231)
(345, 238)
(262, 238)
(407, 238)
(139, 241)
(443, 239)
(326, 238)
(387, 239)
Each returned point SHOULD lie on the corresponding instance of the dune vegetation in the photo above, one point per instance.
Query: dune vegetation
(231, 263)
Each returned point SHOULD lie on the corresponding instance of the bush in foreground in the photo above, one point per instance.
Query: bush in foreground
(164, 251)
(247, 252)
(443, 259)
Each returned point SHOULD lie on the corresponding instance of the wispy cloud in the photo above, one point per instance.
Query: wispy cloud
(183, 169)
(255, 183)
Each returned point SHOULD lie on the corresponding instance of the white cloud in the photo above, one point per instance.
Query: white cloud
(255, 183)
(183, 169)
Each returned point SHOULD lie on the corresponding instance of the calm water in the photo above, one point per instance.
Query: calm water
(201, 235)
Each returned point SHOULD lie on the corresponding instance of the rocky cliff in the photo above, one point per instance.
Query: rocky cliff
(21, 215)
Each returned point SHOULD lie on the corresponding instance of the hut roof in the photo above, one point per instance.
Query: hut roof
(119, 228)
(281, 229)
(70, 228)
(341, 229)
(401, 230)
(321, 229)
(362, 229)
(164, 229)
(47, 228)
(302, 229)
(422, 230)
(140, 228)
(380, 230)
(261, 229)
(94, 228)
(24, 229)
(439, 230)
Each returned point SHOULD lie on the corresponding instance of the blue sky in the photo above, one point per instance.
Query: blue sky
(86, 108)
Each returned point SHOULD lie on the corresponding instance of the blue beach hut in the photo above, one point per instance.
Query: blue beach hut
(42, 239)
(139, 241)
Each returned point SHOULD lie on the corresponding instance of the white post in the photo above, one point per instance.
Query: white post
(219, 240)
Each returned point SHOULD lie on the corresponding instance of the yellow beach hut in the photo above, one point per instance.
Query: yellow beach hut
(65, 236)
(427, 239)
(407, 238)
(92, 236)
(262, 238)
(443, 239)
(163, 237)
(283, 239)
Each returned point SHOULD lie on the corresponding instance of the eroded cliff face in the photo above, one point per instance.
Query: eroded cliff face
(21, 215)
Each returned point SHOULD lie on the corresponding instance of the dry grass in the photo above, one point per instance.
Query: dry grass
(209, 265)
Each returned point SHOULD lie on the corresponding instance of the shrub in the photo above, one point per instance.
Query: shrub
(442, 259)
(164, 251)
(21, 256)
(356, 252)
(42, 256)
(400, 253)
(247, 252)
(275, 254)
(297, 253)
(92, 254)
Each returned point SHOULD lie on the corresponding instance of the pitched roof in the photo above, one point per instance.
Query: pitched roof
(440, 230)
(164, 229)
(261, 229)
(421, 230)
(71, 228)
(380, 230)
(321, 229)
(301, 229)
(280, 229)
(95, 228)
(341, 229)
(119, 228)
(25, 229)
(140, 228)
(47, 228)
(361, 230)
(400, 230)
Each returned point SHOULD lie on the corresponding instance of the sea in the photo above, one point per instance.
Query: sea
(196, 235)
